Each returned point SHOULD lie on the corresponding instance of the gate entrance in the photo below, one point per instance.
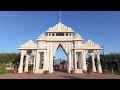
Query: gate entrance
(72, 45)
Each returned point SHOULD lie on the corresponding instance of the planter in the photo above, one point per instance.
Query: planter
(14, 71)
(89, 72)
(105, 71)
(30, 71)
(72, 72)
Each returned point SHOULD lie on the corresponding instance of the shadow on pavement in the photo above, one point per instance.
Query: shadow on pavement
(69, 77)
(61, 70)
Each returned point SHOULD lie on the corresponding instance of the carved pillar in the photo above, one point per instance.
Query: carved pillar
(64, 34)
(84, 60)
(47, 57)
(45, 62)
(75, 61)
(99, 68)
(93, 62)
(80, 57)
(34, 65)
(20, 69)
(69, 57)
(34, 62)
(78, 60)
(72, 66)
(51, 58)
(26, 64)
(37, 61)
(55, 34)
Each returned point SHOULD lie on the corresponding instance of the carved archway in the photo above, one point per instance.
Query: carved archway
(64, 46)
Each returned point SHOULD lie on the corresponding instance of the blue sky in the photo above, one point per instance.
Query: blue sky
(17, 27)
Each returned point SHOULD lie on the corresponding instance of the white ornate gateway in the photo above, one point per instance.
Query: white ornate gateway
(59, 35)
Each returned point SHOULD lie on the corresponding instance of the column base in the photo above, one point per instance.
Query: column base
(94, 70)
(69, 70)
(78, 71)
(20, 71)
(39, 71)
(51, 71)
(99, 69)
(26, 71)
(100, 72)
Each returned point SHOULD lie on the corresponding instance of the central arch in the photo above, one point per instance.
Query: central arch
(66, 46)
(60, 45)
(60, 64)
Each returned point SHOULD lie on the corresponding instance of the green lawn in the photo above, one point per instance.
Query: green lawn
(7, 71)
(114, 72)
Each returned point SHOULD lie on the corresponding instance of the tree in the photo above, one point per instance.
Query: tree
(10, 58)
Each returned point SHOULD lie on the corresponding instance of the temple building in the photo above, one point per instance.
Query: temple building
(42, 53)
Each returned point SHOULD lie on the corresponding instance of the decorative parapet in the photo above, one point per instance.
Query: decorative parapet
(90, 45)
(77, 37)
(60, 28)
(42, 37)
(28, 45)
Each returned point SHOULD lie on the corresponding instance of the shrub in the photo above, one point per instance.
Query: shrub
(46, 72)
(2, 68)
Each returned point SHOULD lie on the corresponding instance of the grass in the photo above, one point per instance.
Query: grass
(7, 71)
(114, 72)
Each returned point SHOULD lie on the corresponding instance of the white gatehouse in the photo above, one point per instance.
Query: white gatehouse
(41, 55)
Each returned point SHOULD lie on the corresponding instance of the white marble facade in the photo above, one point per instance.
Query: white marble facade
(47, 44)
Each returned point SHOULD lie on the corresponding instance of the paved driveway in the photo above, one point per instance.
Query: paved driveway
(59, 75)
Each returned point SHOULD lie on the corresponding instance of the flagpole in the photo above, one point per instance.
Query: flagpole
(60, 16)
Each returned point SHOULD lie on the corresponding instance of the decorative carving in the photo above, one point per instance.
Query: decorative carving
(23, 52)
(42, 44)
(60, 28)
(34, 52)
(42, 37)
(90, 43)
(55, 46)
(78, 44)
(77, 36)
(29, 44)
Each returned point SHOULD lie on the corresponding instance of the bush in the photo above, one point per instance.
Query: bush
(2, 68)
(46, 72)
(30, 67)
(9, 71)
